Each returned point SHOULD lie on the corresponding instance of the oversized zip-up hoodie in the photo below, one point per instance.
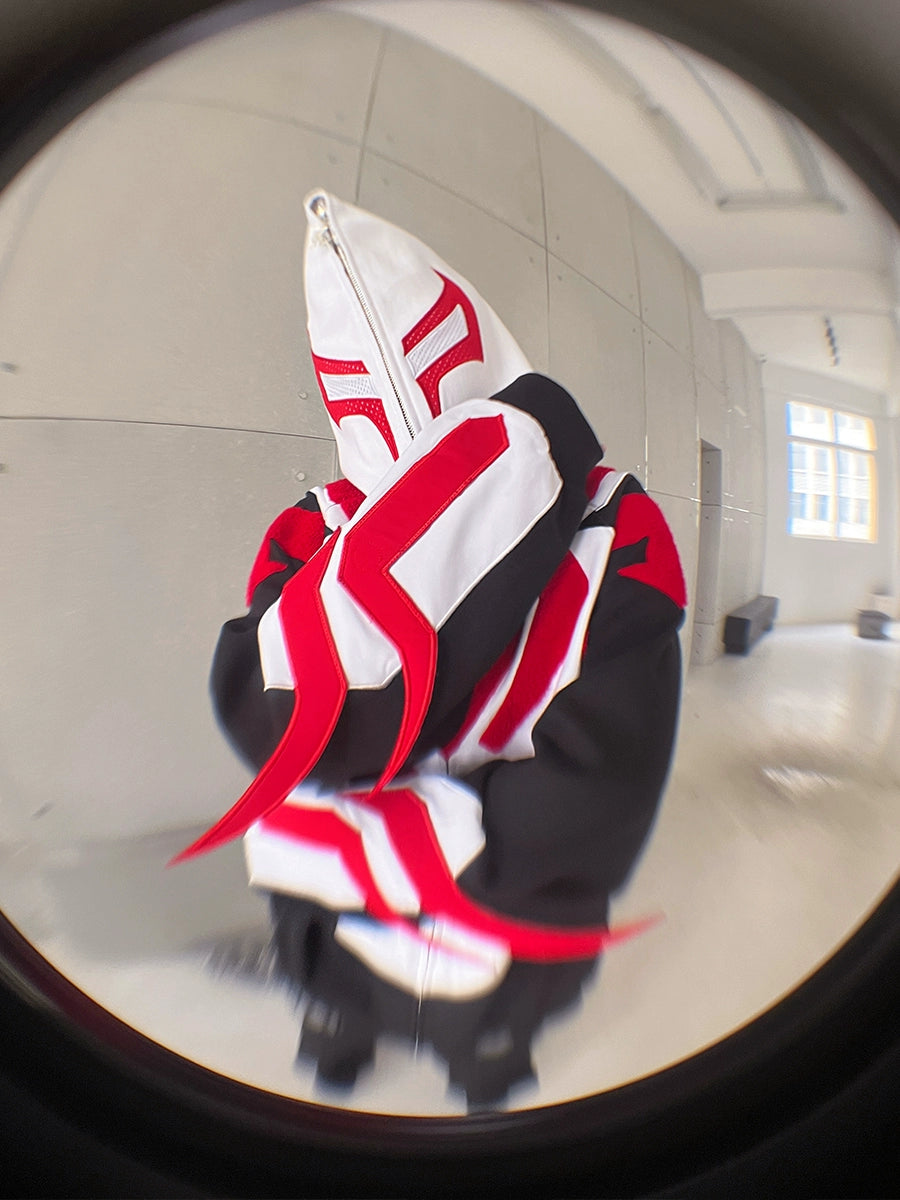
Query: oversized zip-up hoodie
(458, 677)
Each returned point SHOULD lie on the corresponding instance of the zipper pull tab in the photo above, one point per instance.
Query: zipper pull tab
(318, 206)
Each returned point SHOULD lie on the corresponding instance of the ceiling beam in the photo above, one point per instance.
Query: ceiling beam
(796, 289)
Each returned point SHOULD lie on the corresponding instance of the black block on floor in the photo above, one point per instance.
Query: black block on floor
(871, 623)
(746, 625)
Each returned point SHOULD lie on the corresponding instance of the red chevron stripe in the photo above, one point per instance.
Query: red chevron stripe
(390, 528)
(548, 640)
(482, 692)
(415, 842)
(346, 494)
(595, 478)
(319, 698)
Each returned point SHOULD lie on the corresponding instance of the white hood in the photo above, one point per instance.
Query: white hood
(397, 336)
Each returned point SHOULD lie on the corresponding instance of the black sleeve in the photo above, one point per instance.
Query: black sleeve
(563, 829)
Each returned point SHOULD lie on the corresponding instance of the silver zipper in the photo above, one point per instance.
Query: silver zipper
(423, 981)
(320, 208)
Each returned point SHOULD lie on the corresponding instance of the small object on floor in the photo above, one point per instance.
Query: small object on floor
(746, 625)
(871, 623)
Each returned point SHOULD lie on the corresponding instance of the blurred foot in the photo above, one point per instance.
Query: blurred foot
(246, 956)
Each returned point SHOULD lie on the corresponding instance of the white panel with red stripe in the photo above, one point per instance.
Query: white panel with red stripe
(359, 852)
(466, 545)
(548, 655)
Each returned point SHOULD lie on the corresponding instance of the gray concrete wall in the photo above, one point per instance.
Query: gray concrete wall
(159, 407)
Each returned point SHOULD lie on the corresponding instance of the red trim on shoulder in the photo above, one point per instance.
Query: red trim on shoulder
(595, 477)
(393, 524)
(345, 494)
(299, 532)
(640, 517)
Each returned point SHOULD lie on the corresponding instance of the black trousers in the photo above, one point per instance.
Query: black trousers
(485, 1042)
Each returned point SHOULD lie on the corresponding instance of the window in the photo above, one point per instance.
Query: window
(831, 473)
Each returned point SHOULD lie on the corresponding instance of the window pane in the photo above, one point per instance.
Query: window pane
(809, 421)
(855, 483)
(854, 473)
(831, 473)
(811, 511)
(851, 430)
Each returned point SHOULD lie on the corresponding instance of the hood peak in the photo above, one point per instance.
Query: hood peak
(397, 336)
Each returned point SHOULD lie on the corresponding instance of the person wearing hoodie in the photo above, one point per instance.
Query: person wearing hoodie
(457, 680)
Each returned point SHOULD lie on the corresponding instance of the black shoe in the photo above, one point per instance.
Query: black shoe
(339, 1046)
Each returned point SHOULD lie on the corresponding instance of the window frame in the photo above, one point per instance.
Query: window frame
(832, 449)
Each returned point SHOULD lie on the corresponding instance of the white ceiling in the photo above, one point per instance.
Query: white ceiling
(786, 240)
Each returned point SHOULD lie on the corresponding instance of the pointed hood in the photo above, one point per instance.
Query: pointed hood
(397, 336)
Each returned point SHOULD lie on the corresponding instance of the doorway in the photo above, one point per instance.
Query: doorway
(706, 644)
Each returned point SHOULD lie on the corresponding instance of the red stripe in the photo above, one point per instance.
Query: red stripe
(468, 349)
(386, 532)
(549, 637)
(321, 827)
(594, 479)
(299, 532)
(321, 688)
(640, 517)
(415, 841)
(483, 691)
(345, 494)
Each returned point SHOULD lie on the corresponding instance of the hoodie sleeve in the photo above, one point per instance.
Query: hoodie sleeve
(564, 828)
